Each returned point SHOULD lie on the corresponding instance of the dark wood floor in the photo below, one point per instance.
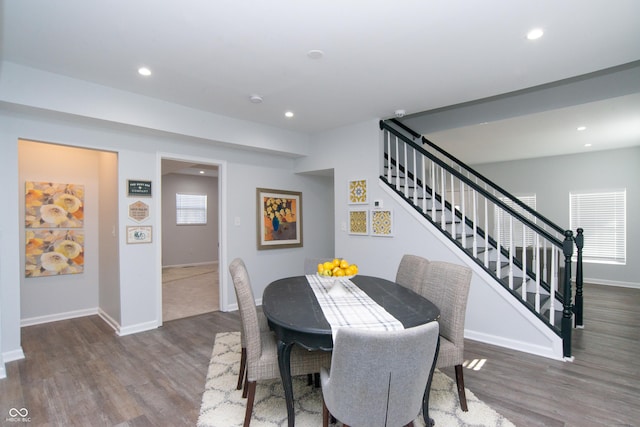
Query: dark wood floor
(78, 372)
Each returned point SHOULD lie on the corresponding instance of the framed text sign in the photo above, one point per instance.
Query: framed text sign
(138, 188)
(139, 234)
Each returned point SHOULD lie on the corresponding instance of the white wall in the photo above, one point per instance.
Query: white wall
(109, 267)
(189, 244)
(553, 178)
(139, 152)
(488, 303)
(49, 298)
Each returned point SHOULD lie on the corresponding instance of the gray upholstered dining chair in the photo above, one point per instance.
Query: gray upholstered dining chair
(411, 272)
(378, 378)
(263, 325)
(447, 286)
(262, 359)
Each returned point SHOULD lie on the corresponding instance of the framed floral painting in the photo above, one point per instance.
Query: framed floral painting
(51, 205)
(279, 218)
(53, 252)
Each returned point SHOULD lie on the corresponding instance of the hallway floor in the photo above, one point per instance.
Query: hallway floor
(189, 291)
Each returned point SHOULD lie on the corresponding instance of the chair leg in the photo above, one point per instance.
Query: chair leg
(243, 365)
(250, 398)
(461, 394)
(246, 386)
(325, 415)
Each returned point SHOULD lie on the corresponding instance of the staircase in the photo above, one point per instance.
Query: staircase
(523, 251)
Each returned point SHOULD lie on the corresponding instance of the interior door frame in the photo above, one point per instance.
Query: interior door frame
(222, 220)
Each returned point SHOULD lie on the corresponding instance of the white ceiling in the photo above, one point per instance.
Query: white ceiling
(379, 55)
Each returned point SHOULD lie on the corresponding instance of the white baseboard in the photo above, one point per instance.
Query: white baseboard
(134, 329)
(612, 283)
(524, 347)
(109, 320)
(128, 330)
(191, 264)
(10, 356)
(58, 316)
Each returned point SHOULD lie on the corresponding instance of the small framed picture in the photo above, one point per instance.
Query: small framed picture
(138, 188)
(382, 222)
(358, 194)
(359, 221)
(139, 234)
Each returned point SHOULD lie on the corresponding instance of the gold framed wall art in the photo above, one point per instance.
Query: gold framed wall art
(359, 222)
(279, 218)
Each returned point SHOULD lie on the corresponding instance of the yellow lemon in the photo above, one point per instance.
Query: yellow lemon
(328, 265)
(344, 263)
(320, 268)
(338, 272)
(336, 262)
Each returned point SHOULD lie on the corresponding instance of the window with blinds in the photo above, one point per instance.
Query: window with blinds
(522, 236)
(603, 216)
(191, 209)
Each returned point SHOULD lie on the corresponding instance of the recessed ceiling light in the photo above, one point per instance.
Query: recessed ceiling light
(315, 54)
(144, 71)
(288, 114)
(587, 145)
(202, 172)
(255, 99)
(581, 128)
(534, 34)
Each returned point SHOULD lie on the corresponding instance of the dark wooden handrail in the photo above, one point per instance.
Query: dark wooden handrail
(476, 187)
(483, 178)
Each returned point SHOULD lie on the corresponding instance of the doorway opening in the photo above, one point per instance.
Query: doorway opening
(190, 248)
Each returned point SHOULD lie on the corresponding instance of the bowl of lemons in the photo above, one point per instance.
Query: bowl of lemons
(337, 268)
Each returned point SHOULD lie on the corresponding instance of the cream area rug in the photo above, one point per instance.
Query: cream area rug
(223, 405)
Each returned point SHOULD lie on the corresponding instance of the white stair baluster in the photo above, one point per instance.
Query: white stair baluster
(510, 251)
(486, 233)
(463, 225)
(443, 223)
(424, 184)
(475, 224)
(433, 190)
(406, 171)
(524, 262)
(453, 207)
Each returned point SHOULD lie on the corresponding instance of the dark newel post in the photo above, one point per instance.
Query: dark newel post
(579, 281)
(567, 310)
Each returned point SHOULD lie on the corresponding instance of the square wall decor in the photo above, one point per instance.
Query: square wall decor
(359, 221)
(358, 192)
(53, 252)
(382, 222)
(51, 205)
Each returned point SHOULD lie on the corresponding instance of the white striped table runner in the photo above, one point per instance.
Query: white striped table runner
(352, 308)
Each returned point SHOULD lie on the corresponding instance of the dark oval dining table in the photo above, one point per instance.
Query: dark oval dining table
(296, 317)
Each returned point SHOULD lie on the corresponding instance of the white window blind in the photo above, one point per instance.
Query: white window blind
(603, 217)
(503, 218)
(191, 209)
